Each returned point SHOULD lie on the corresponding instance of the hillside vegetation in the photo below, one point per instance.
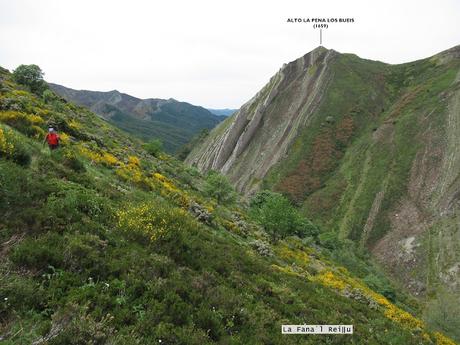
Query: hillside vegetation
(103, 243)
(370, 153)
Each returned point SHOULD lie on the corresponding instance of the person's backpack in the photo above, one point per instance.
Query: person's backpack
(52, 138)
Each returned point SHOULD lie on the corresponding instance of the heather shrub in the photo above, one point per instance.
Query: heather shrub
(219, 187)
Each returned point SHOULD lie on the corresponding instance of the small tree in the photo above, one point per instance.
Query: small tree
(154, 147)
(278, 217)
(30, 76)
(219, 187)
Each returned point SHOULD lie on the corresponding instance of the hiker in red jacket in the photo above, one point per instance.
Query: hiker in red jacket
(52, 138)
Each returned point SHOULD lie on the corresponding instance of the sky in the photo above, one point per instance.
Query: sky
(213, 53)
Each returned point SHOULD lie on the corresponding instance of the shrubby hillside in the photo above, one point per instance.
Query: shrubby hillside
(105, 243)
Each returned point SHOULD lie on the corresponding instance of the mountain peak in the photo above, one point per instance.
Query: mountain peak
(319, 49)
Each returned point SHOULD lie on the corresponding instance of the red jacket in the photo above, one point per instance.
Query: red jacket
(52, 139)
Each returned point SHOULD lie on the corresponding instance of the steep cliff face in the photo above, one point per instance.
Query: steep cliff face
(249, 143)
(368, 150)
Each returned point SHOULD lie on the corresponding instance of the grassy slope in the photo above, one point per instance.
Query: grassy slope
(98, 245)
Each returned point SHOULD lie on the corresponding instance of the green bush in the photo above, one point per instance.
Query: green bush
(23, 193)
(261, 198)
(18, 293)
(168, 333)
(380, 285)
(329, 240)
(208, 319)
(219, 187)
(85, 251)
(39, 253)
(21, 154)
(81, 327)
(49, 96)
(278, 217)
(12, 181)
(154, 147)
(74, 163)
(74, 204)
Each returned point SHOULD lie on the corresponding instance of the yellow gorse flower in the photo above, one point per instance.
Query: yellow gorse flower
(340, 280)
(102, 157)
(35, 119)
(152, 221)
(64, 138)
(109, 158)
(133, 160)
(330, 280)
(131, 171)
(12, 116)
(441, 339)
(74, 124)
(6, 147)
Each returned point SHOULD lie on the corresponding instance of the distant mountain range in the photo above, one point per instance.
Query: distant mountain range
(171, 121)
(222, 112)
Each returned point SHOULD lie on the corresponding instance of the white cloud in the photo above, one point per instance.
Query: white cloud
(211, 53)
